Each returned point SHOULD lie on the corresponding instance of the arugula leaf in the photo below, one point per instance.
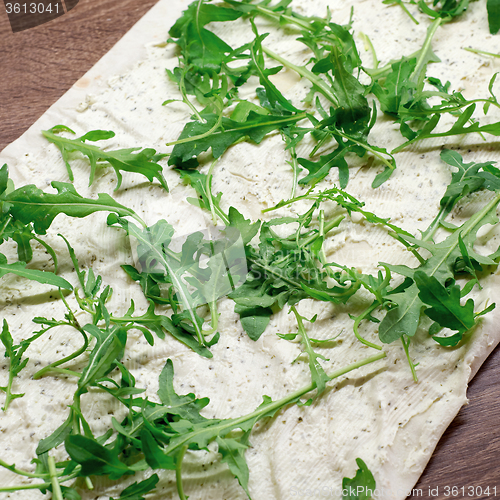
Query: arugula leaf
(318, 375)
(190, 285)
(404, 316)
(11, 228)
(57, 437)
(201, 48)
(109, 347)
(447, 10)
(205, 200)
(361, 486)
(30, 204)
(4, 178)
(128, 160)
(465, 180)
(136, 491)
(445, 309)
(397, 87)
(193, 139)
(272, 93)
(355, 140)
(458, 128)
(155, 457)
(45, 277)
(493, 7)
(319, 170)
(353, 112)
(186, 407)
(233, 454)
(94, 458)
(17, 363)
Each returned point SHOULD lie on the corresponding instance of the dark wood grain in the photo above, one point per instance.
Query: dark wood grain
(469, 451)
(40, 64)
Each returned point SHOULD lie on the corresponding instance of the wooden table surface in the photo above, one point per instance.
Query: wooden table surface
(40, 64)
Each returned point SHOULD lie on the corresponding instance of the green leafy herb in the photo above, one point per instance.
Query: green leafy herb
(404, 316)
(17, 363)
(361, 486)
(403, 6)
(128, 160)
(136, 491)
(200, 47)
(318, 375)
(194, 139)
(493, 7)
(45, 277)
(30, 204)
(190, 285)
(166, 431)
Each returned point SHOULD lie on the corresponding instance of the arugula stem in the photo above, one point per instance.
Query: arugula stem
(63, 371)
(326, 229)
(52, 366)
(358, 320)
(208, 187)
(214, 315)
(295, 169)
(56, 487)
(443, 212)
(274, 405)
(369, 43)
(289, 19)
(320, 143)
(4, 227)
(403, 6)
(8, 390)
(197, 23)
(214, 319)
(406, 345)
(367, 148)
(71, 314)
(178, 473)
(45, 485)
(304, 72)
(22, 472)
(414, 251)
(322, 255)
(425, 48)
(302, 330)
(216, 125)
(182, 88)
(88, 483)
(34, 486)
(482, 52)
